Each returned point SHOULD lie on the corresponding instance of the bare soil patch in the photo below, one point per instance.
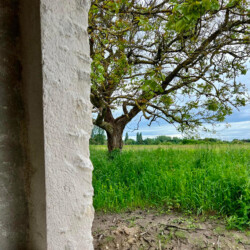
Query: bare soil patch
(152, 230)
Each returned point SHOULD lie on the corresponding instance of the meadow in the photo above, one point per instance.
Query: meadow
(210, 180)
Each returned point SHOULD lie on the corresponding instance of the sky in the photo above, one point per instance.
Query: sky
(236, 126)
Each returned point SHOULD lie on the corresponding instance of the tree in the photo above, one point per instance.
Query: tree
(126, 138)
(97, 136)
(139, 139)
(177, 60)
(130, 142)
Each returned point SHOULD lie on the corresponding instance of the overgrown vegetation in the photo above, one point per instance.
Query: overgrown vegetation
(204, 180)
(97, 136)
(176, 61)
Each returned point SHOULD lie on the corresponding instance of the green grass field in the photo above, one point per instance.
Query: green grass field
(203, 180)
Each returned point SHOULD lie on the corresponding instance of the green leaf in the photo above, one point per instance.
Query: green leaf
(206, 4)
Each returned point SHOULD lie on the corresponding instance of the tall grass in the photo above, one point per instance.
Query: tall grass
(199, 180)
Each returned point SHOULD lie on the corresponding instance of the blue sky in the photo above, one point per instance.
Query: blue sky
(239, 124)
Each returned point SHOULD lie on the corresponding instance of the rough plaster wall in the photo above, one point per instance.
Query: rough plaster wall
(55, 76)
(13, 209)
(67, 124)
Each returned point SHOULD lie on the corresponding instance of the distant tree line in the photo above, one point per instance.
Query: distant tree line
(98, 137)
(168, 140)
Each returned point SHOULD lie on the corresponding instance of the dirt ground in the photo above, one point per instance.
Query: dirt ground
(151, 230)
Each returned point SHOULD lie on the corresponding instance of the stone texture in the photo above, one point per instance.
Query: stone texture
(67, 123)
(46, 67)
(13, 205)
(56, 69)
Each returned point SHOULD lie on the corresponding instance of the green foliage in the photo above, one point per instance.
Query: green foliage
(139, 139)
(201, 180)
(97, 136)
(114, 154)
(130, 142)
(167, 140)
(177, 61)
(126, 138)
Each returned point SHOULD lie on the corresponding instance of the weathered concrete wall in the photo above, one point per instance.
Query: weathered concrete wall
(13, 209)
(55, 89)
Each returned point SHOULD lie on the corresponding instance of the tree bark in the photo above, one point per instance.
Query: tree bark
(115, 139)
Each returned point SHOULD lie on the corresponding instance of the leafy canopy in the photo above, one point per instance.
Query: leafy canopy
(177, 60)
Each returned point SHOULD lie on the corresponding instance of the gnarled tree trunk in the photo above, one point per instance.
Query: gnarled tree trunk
(114, 127)
(115, 139)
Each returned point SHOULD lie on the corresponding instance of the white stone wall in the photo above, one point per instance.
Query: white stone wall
(67, 123)
(45, 125)
(56, 77)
